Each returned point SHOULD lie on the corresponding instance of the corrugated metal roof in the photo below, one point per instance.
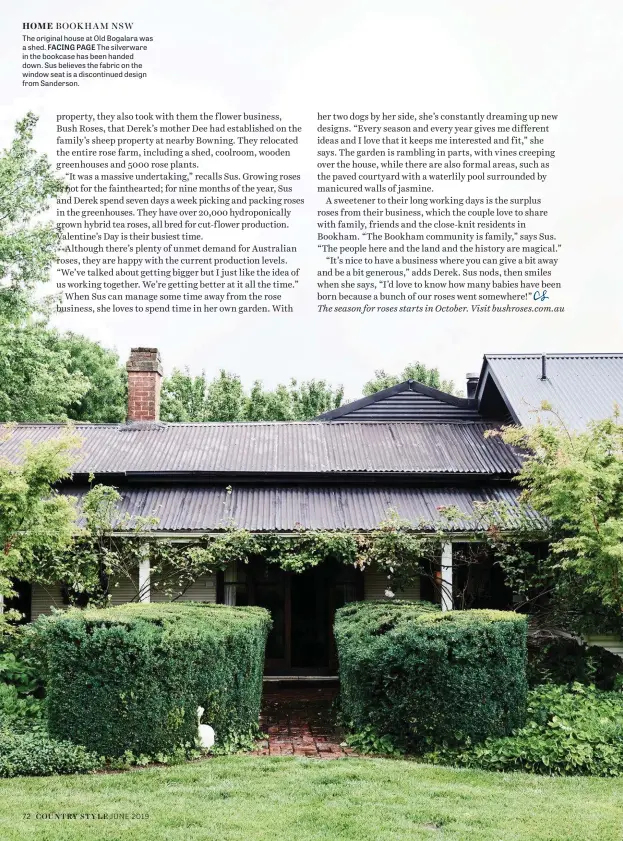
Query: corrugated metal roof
(580, 387)
(195, 508)
(407, 401)
(282, 448)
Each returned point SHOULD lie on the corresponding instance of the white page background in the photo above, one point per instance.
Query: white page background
(296, 59)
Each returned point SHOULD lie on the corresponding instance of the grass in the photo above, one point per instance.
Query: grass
(282, 798)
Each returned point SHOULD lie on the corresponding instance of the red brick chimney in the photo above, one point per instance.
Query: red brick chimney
(144, 381)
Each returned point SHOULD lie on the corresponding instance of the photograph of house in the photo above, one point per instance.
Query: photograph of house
(410, 449)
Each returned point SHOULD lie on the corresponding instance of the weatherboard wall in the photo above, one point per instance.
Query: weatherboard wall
(376, 583)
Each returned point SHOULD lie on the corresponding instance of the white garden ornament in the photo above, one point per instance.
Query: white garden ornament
(206, 733)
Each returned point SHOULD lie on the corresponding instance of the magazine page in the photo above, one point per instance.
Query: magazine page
(310, 447)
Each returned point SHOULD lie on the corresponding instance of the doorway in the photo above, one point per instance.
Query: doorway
(302, 606)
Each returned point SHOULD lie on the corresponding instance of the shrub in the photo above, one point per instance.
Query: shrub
(419, 677)
(564, 660)
(570, 731)
(34, 754)
(130, 678)
(19, 714)
(25, 646)
(19, 673)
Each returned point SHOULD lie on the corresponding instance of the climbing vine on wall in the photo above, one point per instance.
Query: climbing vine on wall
(110, 544)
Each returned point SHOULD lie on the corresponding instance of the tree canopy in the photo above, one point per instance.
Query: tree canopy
(575, 481)
(414, 371)
(105, 399)
(196, 398)
(44, 375)
(28, 247)
(50, 376)
(35, 381)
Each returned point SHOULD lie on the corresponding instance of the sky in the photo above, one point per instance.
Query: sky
(347, 55)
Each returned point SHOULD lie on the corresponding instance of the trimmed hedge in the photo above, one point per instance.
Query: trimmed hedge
(130, 678)
(421, 678)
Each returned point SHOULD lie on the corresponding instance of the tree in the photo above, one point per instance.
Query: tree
(312, 398)
(196, 399)
(33, 515)
(50, 376)
(294, 402)
(224, 398)
(106, 398)
(27, 248)
(183, 397)
(44, 375)
(262, 405)
(575, 481)
(36, 383)
(414, 371)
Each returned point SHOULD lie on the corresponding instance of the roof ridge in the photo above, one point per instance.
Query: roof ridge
(153, 426)
(554, 355)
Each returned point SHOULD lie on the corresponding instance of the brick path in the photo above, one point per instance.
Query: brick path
(300, 722)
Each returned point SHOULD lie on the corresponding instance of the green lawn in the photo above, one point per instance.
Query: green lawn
(292, 799)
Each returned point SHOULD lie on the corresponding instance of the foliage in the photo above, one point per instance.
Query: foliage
(22, 674)
(223, 399)
(110, 546)
(414, 371)
(32, 514)
(36, 755)
(97, 556)
(50, 376)
(131, 678)
(565, 660)
(44, 375)
(105, 400)
(27, 249)
(309, 547)
(19, 713)
(569, 730)
(183, 398)
(575, 481)
(422, 678)
(368, 741)
(20, 710)
(395, 548)
(309, 399)
(195, 398)
(37, 382)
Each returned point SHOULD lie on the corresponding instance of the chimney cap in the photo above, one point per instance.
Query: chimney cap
(145, 359)
(472, 384)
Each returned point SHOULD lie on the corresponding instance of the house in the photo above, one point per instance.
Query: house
(409, 448)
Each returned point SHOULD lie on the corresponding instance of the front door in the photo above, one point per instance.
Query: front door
(302, 606)
(269, 587)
